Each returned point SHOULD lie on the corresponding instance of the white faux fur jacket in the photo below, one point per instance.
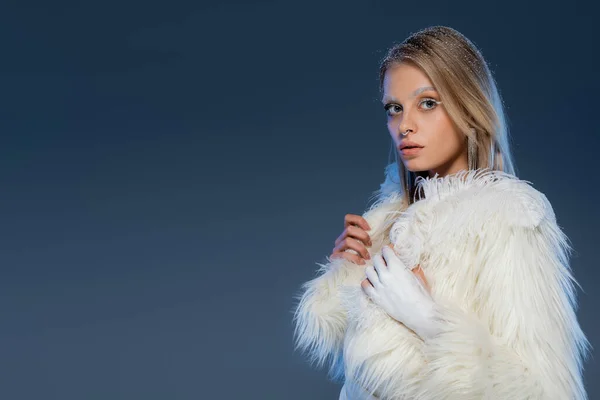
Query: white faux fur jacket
(498, 267)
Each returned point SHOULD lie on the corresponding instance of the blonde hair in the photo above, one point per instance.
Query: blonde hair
(468, 90)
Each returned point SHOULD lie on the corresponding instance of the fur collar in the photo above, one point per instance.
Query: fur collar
(439, 187)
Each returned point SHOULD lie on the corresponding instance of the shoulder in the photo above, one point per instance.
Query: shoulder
(388, 198)
(508, 200)
(390, 190)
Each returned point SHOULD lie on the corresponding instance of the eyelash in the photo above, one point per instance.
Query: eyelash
(390, 105)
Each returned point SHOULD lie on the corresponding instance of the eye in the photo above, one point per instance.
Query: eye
(432, 103)
(392, 108)
(427, 104)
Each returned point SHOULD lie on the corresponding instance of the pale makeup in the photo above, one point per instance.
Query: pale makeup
(411, 102)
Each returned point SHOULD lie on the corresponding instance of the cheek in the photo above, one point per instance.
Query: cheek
(392, 127)
(446, 137)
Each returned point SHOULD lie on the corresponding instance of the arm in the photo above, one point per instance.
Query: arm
(523, 341)
(320, 317)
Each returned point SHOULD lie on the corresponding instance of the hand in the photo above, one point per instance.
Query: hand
(402, 293)
(354, 238)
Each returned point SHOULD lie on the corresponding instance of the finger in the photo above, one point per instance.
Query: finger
(348, 256)
(373, 276)
(360, 234)
(353, 244)
(353, 219)
(392, 259)
(356, 233)
(380, 267)
(340, 237)
(368, 288)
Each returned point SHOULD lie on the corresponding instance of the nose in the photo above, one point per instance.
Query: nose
(405, 133)
(406, 125)
(404, 130)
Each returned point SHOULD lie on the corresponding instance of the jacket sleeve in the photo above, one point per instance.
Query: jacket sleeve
(320, 320)
(320, 317)
(522, 340)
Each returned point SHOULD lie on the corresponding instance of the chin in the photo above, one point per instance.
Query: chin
(415, 165)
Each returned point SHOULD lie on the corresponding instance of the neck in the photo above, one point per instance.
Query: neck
(458, 164)
(445, 173)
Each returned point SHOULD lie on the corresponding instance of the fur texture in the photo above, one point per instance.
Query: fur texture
(498, 267)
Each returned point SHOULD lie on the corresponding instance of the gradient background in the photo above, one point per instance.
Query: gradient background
(173, 171)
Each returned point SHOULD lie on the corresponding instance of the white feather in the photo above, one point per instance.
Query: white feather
(498, 267)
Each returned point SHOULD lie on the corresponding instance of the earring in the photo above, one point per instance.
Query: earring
(472, 151)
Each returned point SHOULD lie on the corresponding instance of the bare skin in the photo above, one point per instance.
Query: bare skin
(353, 237)
(412, 105)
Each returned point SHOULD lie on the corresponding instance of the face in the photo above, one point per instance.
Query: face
(409, 99)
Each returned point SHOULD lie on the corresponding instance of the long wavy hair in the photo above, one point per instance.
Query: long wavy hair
(468, 91)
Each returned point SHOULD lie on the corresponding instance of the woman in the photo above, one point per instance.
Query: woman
(466, 292)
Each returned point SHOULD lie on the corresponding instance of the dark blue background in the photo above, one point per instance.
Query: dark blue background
(171, 172)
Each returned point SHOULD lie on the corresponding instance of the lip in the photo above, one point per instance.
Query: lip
(411, 152)
(408, 143)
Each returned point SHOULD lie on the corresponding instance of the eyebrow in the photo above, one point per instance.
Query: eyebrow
(415, 93)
